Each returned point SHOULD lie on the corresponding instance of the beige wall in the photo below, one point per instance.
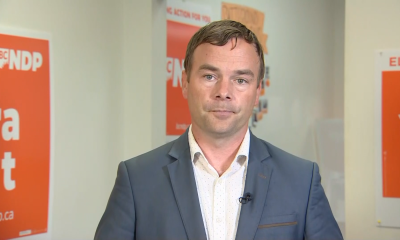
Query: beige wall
(102, 95)
(138, 73)
(338, 58)
(370, 25)
(158, 78)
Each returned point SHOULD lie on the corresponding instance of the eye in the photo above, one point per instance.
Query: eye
(241, 81)
(209, 77)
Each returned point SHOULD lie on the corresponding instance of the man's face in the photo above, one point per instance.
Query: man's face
(222, 88)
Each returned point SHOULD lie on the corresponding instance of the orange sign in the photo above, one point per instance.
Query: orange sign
(184, 19)
(178, 116)
(25, 135)
(391, 133)
(252, 18)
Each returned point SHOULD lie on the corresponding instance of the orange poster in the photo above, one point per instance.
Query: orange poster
(183, 20)
(391, 133)
(252, 18)
(387, 145)
(178, 116)
(25, 135)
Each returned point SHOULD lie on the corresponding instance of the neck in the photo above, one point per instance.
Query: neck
(219, 151)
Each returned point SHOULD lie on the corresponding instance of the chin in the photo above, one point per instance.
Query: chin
(222, 130)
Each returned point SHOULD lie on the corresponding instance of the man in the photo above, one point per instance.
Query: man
(218, 181)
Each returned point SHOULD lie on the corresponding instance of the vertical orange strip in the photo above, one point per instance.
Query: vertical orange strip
(391, 133)
(178, 115)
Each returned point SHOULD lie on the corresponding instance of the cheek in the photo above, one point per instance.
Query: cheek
(252, 99)
(196, 95)
(250, 104)
(194, 101)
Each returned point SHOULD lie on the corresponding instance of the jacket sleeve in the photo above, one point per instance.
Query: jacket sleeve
(118, 220)
(320, 223)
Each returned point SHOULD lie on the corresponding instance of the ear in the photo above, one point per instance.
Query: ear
(257, 95)
(184, 84)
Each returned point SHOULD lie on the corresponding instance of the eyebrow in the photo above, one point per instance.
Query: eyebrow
(209, 67)
(244, 72)
(215, 69)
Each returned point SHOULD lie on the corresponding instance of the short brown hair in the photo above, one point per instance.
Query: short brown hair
(219, 33)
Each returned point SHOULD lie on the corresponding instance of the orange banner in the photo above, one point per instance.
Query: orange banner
(184, 19)
(178, 36)
(391, 133)
(25, 135)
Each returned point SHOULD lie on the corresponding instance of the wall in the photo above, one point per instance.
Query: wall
(138, 73)
(102, 97)
(306, 64)
(338, 58)
(158, 79)
(301, 41)
(370, 25)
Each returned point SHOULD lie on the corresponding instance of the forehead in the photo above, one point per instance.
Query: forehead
(243, 55)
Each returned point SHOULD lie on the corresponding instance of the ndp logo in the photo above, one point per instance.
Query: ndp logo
(20, 60)
(174, 70)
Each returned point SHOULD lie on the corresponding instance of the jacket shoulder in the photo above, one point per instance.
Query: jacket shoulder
(153, 158)
(283, 159)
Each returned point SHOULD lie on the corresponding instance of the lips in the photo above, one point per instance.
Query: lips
(222, 114)
(227, 111)
(221, 109)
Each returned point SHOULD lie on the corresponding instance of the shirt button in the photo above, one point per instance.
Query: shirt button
(219, 220)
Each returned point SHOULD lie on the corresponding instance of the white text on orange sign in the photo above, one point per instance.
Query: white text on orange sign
(9, 131)
(20, 60)
(174, 70)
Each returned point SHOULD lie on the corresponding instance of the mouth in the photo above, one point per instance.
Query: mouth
(222, 110)
(222, 114)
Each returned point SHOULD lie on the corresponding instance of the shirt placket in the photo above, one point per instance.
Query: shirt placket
(219, 209)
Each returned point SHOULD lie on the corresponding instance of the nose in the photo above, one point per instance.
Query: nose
(223, 90)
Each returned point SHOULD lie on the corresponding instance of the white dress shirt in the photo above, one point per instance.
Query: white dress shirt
(219, 195)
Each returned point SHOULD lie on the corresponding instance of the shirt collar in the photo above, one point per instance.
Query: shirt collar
(242, 152)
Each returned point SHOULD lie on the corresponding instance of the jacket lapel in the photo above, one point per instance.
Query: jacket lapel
(185, 190)
(257, 182)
